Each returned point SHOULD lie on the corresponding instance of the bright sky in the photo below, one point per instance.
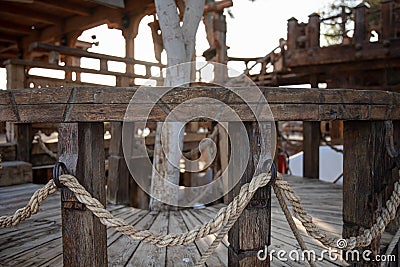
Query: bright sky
(253, 32)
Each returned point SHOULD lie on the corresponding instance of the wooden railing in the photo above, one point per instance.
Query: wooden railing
(367, 181)
(68, 61)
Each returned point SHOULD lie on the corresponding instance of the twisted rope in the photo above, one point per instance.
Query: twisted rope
(31, 208)
(361, 240)
(223, 220)
(44, 147)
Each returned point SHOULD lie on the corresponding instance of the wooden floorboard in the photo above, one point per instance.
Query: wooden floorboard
(38, 242)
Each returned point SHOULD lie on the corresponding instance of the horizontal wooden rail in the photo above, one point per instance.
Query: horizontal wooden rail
(92, 104)
(37, 64)
(68, 51)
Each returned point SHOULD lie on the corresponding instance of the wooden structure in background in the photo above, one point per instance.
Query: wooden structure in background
(356, 62)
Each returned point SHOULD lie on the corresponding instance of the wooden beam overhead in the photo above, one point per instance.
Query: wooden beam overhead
(65, 6)
(110, 3)
(34, 15)
(100, 16)
(8, 26)
(7, 38)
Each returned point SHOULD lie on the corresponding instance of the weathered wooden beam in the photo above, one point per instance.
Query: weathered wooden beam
(118, 189)
(8, 38)
(367, 170)
(369, 52)
(9, 26)
(311, 141)
(72, 8)
(387, 19)
(109, 104)
(27, 13)
(84, 237)
(361, 34)
(252, 230)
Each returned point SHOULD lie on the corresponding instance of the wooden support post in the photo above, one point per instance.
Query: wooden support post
(81, 147)
(23, 136)
(118, 178)
(311, 141)
(220, 73)
(252, 231)
(395, 224)
(313, 30)
(292, 34)
(20, 133)
(367, 169)
(387, 19)
(360, 24)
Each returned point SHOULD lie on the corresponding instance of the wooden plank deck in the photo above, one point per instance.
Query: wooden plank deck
(38, 242)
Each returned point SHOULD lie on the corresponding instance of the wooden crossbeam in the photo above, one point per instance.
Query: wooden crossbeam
(15, 10)
(65, 6)
(8, 38)
(9, 26)
(109, 104)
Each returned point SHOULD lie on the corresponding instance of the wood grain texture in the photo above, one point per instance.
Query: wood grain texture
(84, 237)
(366, 171)
(252, 230)
(109, 104)
(311, 137)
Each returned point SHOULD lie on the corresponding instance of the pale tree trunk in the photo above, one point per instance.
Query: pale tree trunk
(179, 44)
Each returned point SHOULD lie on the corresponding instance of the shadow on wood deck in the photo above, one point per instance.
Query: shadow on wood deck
(38, 242)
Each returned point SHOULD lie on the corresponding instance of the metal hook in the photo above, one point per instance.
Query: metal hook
(56, 173)
(274, 174)
(272, 168)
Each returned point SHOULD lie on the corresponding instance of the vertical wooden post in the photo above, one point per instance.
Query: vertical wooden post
(252, 231)
(395, 224)
(387, 19)
(118, 179)
(311, 141)
(360, 24)
(220, 39)
(84, 237)
(313, 30)
(292, 34)
(20, 133)
(367, 169)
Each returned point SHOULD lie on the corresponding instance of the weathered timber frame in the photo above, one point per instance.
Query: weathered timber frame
(369, 173)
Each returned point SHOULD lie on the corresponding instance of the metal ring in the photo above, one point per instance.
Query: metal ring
(273, 174)
(56, 173)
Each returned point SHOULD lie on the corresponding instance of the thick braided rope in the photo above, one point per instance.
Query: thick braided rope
(31, 208)
(363, 239)
(222, 218)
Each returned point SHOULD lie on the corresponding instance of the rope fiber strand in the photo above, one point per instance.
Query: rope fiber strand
(221, 222)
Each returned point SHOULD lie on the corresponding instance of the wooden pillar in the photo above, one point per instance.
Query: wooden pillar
(387, 19)
(252, 231)
(313, 30)
(292, 34)
(311, 141)
(81, 147)
(121, 187)
(118, 178)
(221, 72)
(20, 133)
(367, 170)
(360, 24)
